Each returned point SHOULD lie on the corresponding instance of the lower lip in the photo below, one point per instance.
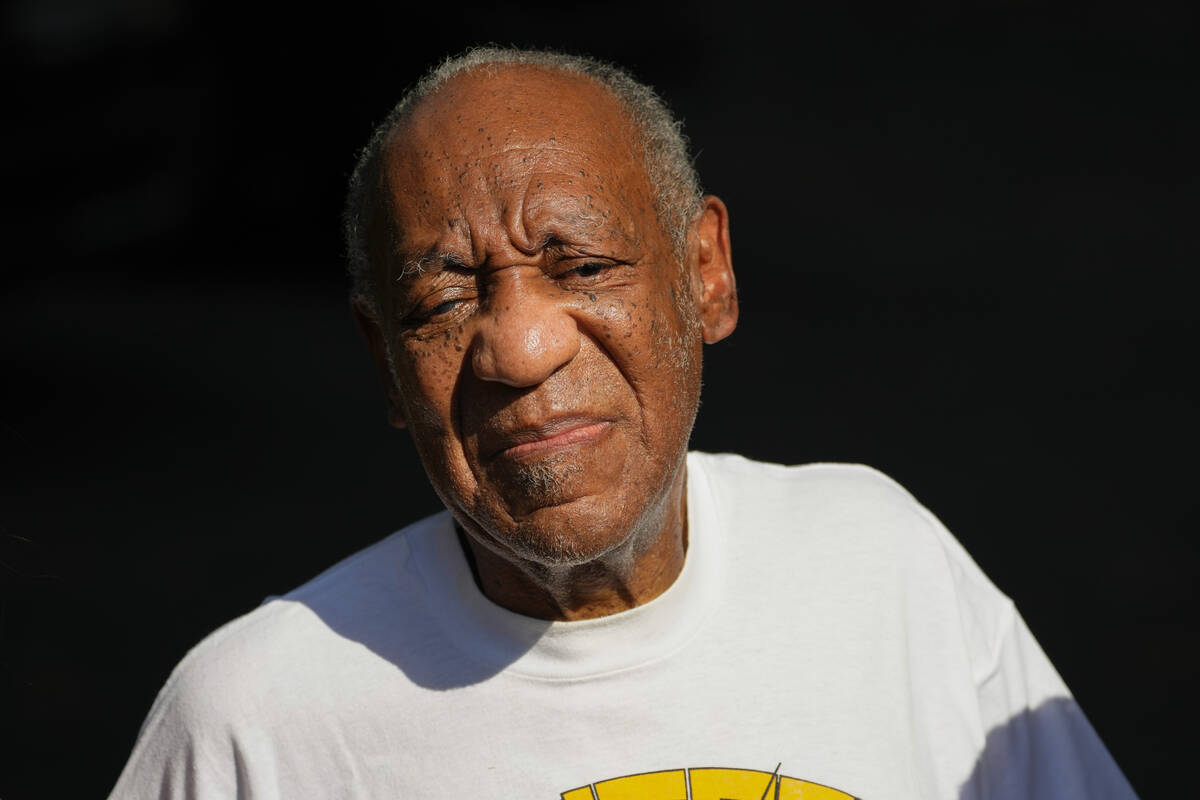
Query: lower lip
(581, 435)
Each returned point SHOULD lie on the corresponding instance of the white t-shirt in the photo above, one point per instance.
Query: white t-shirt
(823, 622)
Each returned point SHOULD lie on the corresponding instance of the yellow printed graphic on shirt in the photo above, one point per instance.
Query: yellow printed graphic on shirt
(706, 783)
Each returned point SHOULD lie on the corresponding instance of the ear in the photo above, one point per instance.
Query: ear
(368, 326)
(712, 272)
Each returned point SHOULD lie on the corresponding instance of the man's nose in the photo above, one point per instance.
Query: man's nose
(525, 335)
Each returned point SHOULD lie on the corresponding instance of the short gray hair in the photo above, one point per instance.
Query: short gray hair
(677, 194)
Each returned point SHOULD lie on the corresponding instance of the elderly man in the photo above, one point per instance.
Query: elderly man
(599, 614)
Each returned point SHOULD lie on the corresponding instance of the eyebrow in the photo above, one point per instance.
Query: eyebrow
(553, 243)
(431, 259)
(435, 260)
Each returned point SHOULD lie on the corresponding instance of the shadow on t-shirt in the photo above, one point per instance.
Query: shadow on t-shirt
(1049, 752)
(402, 625)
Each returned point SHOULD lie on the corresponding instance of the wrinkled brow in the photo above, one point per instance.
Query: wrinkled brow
(432, 260)
(435, 260)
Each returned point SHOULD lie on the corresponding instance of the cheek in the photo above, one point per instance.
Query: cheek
(649, 337)
(621, 325)
(428, 372)
(676, 333)
(671, 360)
(658, 322)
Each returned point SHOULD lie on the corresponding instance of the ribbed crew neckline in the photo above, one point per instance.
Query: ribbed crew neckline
(550, 650)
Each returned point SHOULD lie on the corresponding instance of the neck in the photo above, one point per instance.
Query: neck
(638, 571)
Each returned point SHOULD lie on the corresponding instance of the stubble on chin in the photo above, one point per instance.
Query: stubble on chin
(542, 484)
(545, 482)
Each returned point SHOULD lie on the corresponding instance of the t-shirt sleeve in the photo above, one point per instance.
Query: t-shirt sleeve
(170, 761)
(1039, 744)
(181, 753)
(196, 743)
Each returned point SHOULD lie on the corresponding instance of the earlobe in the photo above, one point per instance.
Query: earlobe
(372, 333)
(395, 415)
(717, 289)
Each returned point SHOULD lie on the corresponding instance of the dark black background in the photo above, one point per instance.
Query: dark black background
(964, 237)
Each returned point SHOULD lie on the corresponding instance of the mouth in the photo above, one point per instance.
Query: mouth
(552, 435)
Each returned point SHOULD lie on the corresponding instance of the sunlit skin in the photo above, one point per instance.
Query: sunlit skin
(544, 339)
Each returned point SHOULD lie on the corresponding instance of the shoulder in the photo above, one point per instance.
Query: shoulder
(827, 492)
(282, 673)
(852, 525)
(731, 468)
(852, 505)
(265, 664)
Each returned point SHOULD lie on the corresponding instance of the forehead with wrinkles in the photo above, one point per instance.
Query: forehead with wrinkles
(540, 152)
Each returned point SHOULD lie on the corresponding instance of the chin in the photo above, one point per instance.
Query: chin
(576, 531)
(575, 506)
(537, 486)
(545, 482)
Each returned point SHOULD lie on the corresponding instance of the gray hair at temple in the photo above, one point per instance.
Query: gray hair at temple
(664, 151)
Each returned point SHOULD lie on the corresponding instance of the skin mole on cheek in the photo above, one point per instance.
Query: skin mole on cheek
(591, 297)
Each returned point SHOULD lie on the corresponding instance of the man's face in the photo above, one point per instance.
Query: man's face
(543, 337)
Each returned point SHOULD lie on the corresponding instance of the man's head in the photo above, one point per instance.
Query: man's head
(663, 146)
(537, 300)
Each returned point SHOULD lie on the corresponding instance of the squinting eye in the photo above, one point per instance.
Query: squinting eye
(589, 270)
(442, 308)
